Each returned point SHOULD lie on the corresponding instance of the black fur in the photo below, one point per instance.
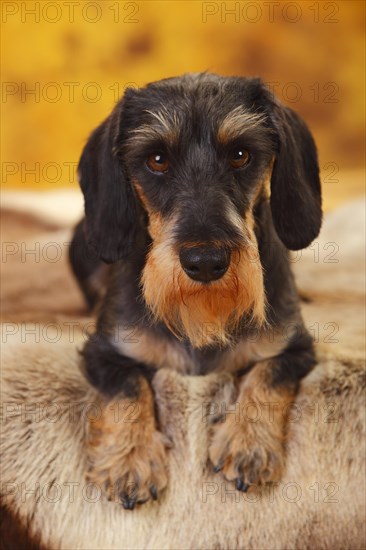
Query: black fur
(84, 263)
(110, 207)
(295, 184)
(118, 372)
(294, 363)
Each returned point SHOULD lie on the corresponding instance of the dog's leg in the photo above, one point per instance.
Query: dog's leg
(248, 446)
(126, 451)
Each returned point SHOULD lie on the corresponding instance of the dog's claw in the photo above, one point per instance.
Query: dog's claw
(241, 486)
(219, 466)
(128, 503)
(217, 419)
(153, 492)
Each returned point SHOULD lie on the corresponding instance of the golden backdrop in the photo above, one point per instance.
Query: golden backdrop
(66, 63)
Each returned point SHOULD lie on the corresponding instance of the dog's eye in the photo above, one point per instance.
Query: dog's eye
(239, 158)
(158, 162)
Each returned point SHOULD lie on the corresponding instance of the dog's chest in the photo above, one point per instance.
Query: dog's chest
(155, 349)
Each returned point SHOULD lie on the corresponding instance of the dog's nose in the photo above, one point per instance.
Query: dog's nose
(203, 263)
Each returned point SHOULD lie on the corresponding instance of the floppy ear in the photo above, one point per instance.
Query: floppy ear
(295, 183)
(110, 205)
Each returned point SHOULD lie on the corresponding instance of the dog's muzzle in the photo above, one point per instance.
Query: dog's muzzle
(204, 263)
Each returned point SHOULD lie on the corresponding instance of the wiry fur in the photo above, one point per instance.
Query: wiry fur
(244, 446)
(119, 438)
(178, 173)
(205, 314)
(232, 125)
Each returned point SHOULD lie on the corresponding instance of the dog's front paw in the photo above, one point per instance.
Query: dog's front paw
(247, 453)
(127, 459)
(132, 471)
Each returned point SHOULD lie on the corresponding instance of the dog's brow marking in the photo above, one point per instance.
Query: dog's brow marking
(168, 119)
(237, 122)
(167, 128)
(145, 133)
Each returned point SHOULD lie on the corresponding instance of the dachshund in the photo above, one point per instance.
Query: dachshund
(196, 188)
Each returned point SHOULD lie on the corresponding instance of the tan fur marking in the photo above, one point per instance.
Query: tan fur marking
(126, 453)
(262, 344)
(152, 350)
(167, 127)
(266, 184)
(168, 120)
(250, 444)
(141, 194)
(237, 122)
(156, 222)
(204, 313)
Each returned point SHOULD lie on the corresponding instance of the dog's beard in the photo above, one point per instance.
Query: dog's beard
(206, 314)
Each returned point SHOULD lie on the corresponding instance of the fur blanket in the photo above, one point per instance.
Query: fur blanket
(319, 503)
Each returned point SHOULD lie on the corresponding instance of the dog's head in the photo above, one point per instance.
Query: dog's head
(190, 157)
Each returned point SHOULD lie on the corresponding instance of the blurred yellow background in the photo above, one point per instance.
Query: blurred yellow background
(66, 63)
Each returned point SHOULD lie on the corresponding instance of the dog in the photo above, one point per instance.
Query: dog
(196, 188)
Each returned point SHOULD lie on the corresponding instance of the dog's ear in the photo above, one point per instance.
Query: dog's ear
(295, 182)
(110, 205)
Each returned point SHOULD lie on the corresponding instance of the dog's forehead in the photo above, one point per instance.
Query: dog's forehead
(205, 86)
(195, 98)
